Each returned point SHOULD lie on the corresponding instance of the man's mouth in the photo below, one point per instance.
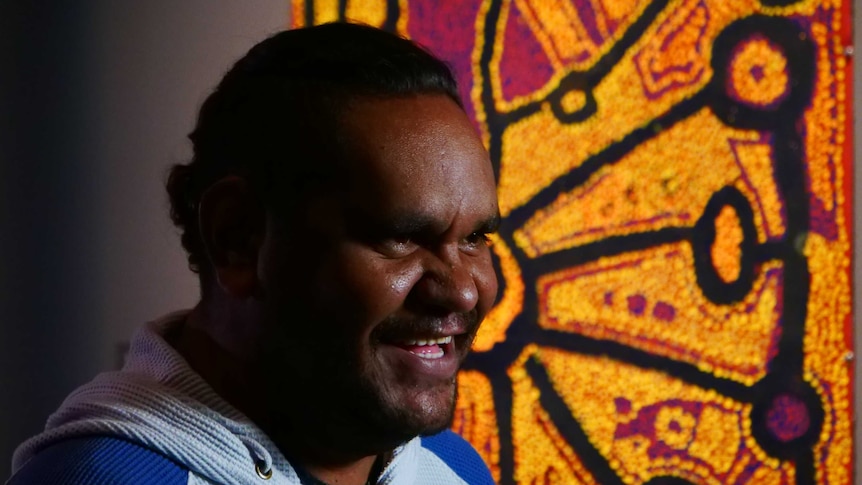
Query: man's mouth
(427, 359)
(431, 349)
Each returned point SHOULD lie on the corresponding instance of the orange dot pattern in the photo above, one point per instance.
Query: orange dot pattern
(759, 73)
(675, 256)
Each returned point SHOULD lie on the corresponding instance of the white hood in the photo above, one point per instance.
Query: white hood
(158, 401)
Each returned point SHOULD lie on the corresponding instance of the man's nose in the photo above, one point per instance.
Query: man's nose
(448, 284)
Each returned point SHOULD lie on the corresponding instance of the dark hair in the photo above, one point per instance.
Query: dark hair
(271, 118)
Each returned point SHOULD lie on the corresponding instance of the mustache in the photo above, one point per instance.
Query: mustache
(400, 328)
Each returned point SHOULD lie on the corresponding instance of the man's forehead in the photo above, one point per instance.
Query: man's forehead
(417, 135)
(415, 118)
(414, 220)
(412, 162)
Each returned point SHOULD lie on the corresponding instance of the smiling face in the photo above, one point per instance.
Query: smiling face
(373, 296)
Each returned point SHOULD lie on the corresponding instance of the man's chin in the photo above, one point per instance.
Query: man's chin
(399, 432)
(421, 416)
(366, 420)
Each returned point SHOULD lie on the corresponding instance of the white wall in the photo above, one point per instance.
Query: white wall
(96, 100)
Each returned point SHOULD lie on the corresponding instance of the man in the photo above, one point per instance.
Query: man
(337, 209)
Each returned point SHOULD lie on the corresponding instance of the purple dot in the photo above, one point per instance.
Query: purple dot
(609, 298)
(637, 304)
(787, 418)
(623, 405)
(664, 311)
(757, 73)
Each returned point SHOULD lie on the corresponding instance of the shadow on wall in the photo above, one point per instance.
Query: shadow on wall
(48, 339)
(96, 99)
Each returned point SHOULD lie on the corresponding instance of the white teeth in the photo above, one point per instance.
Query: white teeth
(432, 355)
(423, 343)
(429, 344)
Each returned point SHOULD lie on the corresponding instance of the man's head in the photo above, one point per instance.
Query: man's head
(339, 203)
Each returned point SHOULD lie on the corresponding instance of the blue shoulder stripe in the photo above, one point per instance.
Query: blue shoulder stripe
(99, 460)
(460, 456)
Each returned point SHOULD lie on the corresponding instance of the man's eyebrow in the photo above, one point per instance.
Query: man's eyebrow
(490, 225)
(409, 224)
(413, 224)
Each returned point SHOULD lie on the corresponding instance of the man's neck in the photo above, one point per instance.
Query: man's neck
(232, 378)
(224, 370)
(357, 473)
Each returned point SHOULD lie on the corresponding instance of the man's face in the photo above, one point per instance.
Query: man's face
(374, 294)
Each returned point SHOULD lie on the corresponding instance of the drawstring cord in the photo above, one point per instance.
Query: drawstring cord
(262, 458)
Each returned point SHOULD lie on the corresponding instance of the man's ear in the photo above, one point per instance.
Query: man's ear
(232, 224)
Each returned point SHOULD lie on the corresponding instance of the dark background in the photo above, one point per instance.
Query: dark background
(96, 99)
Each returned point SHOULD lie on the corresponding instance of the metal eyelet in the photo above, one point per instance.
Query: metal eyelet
(265, 474)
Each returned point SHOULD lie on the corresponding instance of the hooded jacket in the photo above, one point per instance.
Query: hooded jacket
(156, 421)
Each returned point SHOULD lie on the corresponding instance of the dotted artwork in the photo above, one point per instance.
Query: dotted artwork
(675, 182)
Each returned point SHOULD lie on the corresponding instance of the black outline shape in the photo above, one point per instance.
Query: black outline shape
(613, 153)
(389, 25)
(497, 122)
(574, 81)
(587, 80)
(684, 371)
(786, 367)
(568, 426)
(392, 14)
(667, 480)
(800, 53)
(309, 13)
(501, 281)
(703, 237)
(766, 391)
(778, 3)
(501, 390)
(789, 175)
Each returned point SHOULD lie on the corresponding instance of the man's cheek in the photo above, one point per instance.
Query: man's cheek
(402, 282)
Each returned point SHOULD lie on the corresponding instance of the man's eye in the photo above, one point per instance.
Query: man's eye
(396, 246)
(479, 238)
(400, 242)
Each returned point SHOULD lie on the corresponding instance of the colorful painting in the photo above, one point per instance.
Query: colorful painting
(675, 181)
